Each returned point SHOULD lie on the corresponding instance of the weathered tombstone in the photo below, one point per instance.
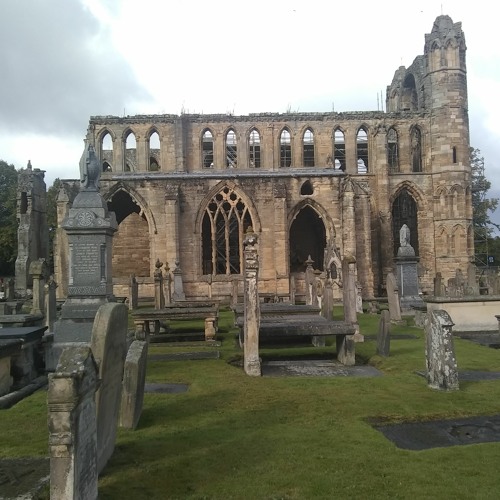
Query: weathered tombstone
(359, 299)
(234, 292)
(109, 346)
(158, 279)
(90, 228)
(11, 289)
(292, 289)
(442, 371)
(384, 334)
(72, 426)
(178, 284)
(349, 299)
(251, 318)
(39, 272)
(327, 303)
(438, 285)
(459, 282)
(309, 279)
(393, 297)
(472, 287)
(134, 379)
(50, 303)
(133, 292)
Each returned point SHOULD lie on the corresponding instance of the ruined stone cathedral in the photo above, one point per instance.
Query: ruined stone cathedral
(325, 185)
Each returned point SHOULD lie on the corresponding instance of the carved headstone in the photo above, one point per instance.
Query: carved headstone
(178, 284)
(384, 334)
(442, 371)
(158, 278)
(251, 307)
(39, 272)
(393, 297)
(309, 279)
(109, 346)
(438, 285)
(72, 426)
(168, 284)
(133, 293)
(134, 379)
(327, 303)
(345, 353)
(472, 287)
(50, 304)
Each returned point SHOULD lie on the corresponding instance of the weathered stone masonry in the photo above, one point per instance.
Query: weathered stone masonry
(187, 187)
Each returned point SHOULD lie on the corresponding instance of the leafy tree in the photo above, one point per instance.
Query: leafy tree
(482, 207)
(8, 222)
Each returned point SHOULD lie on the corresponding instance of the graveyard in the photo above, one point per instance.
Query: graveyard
(233, 436)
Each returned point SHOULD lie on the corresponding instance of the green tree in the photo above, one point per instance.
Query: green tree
(8, 222)
(482, 208)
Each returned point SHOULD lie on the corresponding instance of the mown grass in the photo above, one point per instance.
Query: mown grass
(233, 436)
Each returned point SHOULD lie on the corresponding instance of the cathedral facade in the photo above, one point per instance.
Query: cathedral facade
(320, 185)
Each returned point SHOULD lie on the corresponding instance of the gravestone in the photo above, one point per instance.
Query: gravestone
(309, 281)
(109, 346)
(134, 379)
(168, 284)
(407, 272)
(39, 272)
(50, 304)
(384, 334)
(158, 279)
(10, 292)
(345, 344)
(90, 228)
(251, 307)
(133, 293)
(327, 303)
(72, 426)
(178, 284)
(438, 285)
(472, 286)
(442, 371)
(393, 297)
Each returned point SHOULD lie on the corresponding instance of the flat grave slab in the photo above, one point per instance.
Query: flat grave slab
(316, 368)
(487, 339)
(180, 356)
(441, 433)
(160, 388)
(24, 333)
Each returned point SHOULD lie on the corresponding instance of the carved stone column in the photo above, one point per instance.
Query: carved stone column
(39, 273)
(251, 319)
(172, 222)
(364, 251)
(348, 218)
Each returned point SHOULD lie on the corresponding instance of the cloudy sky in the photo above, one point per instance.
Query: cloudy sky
(64, 60)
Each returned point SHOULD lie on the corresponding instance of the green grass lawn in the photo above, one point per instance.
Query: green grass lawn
(236, 437)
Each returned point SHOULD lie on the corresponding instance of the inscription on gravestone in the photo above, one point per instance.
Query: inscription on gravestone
(86, 257)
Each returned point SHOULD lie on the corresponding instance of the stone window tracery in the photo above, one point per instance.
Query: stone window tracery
(207, 143)
(362, 151)
(392, 150)
(339, 150)
(416, 150)
(106, 152)
(130, 164)
(224, 224)
(154, 152)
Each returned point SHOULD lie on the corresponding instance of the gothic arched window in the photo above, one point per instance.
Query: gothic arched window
(254, 148)
(392, 150)
(416, 150)
(223, 228)
(308, 148)
(285, 149)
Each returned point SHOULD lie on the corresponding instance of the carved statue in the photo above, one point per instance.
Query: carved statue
(89, 170)
(404, 236)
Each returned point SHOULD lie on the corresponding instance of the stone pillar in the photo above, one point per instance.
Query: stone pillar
(364, 252)
(141, 151)
(50, 304)
(348, 218)
(386, 242)
(172, 222)
(292, 289)
(280, 237)
(72, 426)
(133, 293)
(178, 285)
(309, 280)
(168, 284)
(442, 371)
(158, 278)
(349, 294)
(251, 318)
(39, 273)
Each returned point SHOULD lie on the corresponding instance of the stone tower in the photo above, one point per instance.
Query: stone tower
(32, 232)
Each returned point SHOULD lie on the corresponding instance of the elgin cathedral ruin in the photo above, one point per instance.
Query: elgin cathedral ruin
(327, 185)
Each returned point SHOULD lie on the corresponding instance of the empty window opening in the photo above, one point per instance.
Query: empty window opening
(307, 238)
(106, 167)
(416, 150)
(362, 151)
(404, 211)
(306, 188)
(231, 150)
(106, 151)
(308, 148)
(339, 150)
(254, 149)
(154, 152)
(223, 228)
(409, 99)
(454, 154)
(285, 149)
(392, 150)
(23, 209)
(131, 152)
(207, 149)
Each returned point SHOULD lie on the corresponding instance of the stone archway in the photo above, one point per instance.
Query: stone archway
(307, 238)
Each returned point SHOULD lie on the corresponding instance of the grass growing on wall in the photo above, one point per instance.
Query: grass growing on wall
(233, 436)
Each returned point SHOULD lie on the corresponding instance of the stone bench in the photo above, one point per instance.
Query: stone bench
(286, 321)
(207, 311)
(28, 362)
